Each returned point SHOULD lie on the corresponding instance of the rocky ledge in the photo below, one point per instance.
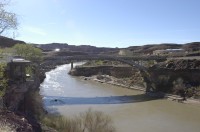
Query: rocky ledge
(15, 122)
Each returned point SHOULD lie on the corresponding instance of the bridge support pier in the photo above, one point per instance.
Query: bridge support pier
(72, 65)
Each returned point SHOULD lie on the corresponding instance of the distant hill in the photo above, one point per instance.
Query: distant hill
(8, 42)
(148, 49)
(52, 46)
(145, 49)
(194, 46)
(74, 48)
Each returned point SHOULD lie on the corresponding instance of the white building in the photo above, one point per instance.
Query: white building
(169, 51)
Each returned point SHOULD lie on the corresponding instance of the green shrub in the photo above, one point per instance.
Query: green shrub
(28, 51)
(99, 62)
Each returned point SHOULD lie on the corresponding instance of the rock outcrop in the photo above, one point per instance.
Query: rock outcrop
(125, 76)
(168, 75)
(11, 122)
(18, 100)
(115, 71)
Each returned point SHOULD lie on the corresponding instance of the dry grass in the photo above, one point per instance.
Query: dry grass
(89, 121)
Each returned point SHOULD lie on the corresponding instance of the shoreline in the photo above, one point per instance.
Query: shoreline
(94, 78)
(171, 97)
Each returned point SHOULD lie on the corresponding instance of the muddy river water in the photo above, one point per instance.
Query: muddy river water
(130, 110)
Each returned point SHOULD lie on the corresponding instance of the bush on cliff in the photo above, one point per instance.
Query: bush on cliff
(179, 87)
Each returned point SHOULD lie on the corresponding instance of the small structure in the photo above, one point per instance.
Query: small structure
(17, 69)
(125, 52)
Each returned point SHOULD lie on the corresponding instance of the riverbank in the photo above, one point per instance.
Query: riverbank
(122, 83)
(176, 80)
(113, 81)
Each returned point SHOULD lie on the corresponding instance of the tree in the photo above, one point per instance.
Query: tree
(8, 20)
(28, 51)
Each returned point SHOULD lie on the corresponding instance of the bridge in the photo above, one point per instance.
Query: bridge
(132, 61)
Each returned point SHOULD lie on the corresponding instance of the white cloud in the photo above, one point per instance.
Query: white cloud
(35, 30)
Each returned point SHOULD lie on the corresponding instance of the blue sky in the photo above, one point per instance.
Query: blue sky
(108, 23)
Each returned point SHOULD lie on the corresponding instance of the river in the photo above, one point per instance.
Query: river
(130, 110)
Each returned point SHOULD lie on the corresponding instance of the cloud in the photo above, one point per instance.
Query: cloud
(35, 30)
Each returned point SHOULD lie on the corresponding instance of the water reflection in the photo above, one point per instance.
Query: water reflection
(57, 100)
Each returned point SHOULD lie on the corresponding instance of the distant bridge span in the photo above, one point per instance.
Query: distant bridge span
(126, 60)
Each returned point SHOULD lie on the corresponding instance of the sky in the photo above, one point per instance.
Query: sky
(107, 23)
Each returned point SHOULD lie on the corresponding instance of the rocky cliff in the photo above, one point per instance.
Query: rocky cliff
(21, 106)
(176, 76)
(115, 71)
